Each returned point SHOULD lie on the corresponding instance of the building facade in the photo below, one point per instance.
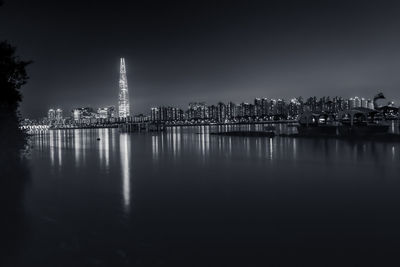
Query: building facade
(123, 103)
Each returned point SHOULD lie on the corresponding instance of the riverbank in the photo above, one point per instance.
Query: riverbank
(245, 133)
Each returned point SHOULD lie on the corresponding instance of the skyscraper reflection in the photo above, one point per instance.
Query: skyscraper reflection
(59, 148)
(203, 142)
(270, 149)
(125, 155)
(176, 141)
(104, 147)
(107, 148)
(51, 137)
(247, 146)
(393, 153)
(154, 146)
(100, 144)
(294, 140)
(55, 138)
(77, 146)
(258, 147)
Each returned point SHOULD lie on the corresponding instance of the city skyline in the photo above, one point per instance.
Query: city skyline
(259, 108)
(146, 109)
(180, 112)
(184, 106)
(203, 51)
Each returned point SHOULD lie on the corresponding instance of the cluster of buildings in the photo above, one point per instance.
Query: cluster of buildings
(261, 109)
(55, 114)
(77, 116)
(87, 116)
(90, 115)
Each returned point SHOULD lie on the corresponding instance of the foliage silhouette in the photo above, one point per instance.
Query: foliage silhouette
(14, 172)
(13, 76)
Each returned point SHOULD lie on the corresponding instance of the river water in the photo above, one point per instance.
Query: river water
(187, 198)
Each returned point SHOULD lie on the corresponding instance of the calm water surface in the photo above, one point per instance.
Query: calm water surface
(186, 198)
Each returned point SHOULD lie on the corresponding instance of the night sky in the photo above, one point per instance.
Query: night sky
(177, 52)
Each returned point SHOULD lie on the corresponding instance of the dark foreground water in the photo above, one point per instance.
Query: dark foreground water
(185, 198)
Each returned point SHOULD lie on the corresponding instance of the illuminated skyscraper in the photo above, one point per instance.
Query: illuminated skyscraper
(51, 114)
(102, 113)
(123, 103)
(59, 114)
(77, 114)
(357, 102)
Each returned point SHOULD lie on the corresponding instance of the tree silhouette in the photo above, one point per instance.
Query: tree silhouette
(13, 171)
(13, 76)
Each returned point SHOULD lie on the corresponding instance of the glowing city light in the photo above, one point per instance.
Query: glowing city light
(123, 103)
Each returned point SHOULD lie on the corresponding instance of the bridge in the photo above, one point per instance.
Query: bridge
(122, 127)
(141, 127)
(35, 129)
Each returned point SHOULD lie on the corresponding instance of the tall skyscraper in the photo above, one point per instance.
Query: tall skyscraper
(51, 114)
(123, 103)
(77, 114)
(59, 114)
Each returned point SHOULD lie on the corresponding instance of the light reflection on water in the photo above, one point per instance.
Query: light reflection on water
(51, 138)
(177, 142)
(104, 148)
(59, 147)
(126, 165)
(149, 190)
(77, 146)
(154, 145)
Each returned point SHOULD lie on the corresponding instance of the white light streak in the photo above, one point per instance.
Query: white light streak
(125, 154)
